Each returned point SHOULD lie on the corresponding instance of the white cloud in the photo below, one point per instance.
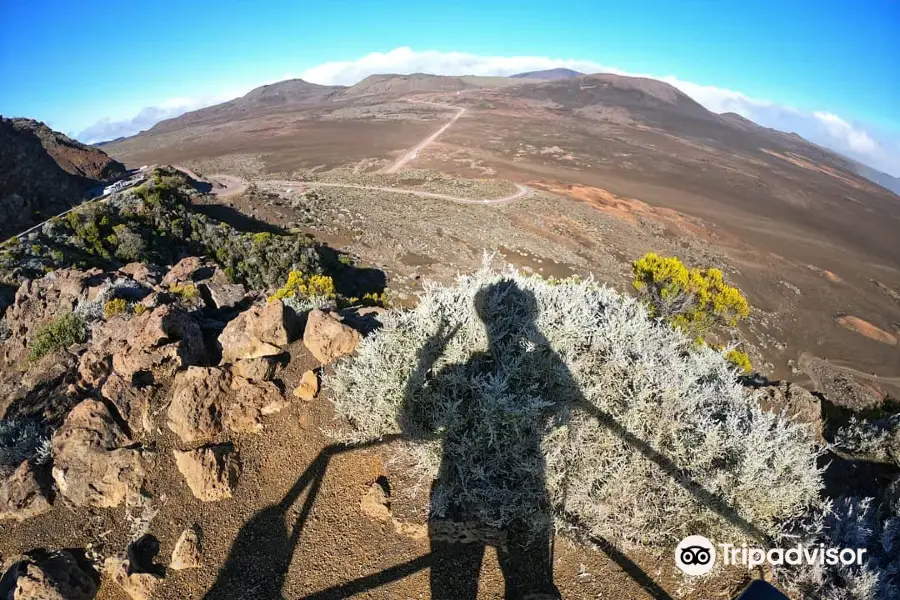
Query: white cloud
(107, 129)
(821, 127)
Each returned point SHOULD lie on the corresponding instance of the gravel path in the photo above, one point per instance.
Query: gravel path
(521, 191)
(424, 143)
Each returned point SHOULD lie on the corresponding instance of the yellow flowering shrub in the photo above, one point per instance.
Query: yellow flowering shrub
(301, 284)
(114, 307)
(693, 300)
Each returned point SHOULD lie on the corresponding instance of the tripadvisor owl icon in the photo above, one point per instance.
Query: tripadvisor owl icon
(695, 555)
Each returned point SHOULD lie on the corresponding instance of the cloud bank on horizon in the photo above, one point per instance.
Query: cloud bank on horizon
(875, 149)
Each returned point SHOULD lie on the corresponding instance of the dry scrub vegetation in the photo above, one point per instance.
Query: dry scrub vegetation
(518, 393)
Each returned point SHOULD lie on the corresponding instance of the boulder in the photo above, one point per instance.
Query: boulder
(93, 368)
(43, 575)
(22, 496)
(250, 402)
(138, 585)
(224, 294)
(185, 270)
(162, 340)
(198, 399)
(256, 332)
(131, 400)
(262, 368)
(92, 465)
(309, 386)
(796, 403)
(141, 272)
(327, 337)
(188, 549)
(211, 472)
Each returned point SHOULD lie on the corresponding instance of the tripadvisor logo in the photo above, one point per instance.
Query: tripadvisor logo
(696, 555)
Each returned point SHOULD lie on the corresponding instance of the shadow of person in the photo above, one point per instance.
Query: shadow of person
(490, 414)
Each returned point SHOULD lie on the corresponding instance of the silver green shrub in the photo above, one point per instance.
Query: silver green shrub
(644, 436)
(303, 304)
(20, 440)
(853, 523)
(875, 440)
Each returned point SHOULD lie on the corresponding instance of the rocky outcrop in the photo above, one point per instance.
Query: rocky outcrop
(43, 575)
(188, 549)
(39, 301)
(257, 332)
(43, 172)
(796, 403)
(165, 339)
(206, 400)
(211, 472)
(327, 337)
(93, 464)
(22, 494)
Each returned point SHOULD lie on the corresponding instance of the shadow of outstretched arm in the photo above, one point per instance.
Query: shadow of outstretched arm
(261, 554)
(417, 412)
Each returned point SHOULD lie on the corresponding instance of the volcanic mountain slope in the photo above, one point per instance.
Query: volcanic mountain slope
(289, 94)
(558, 73)
(43, 172)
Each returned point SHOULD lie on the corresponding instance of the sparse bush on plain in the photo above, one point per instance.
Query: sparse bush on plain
(658, 411)
(61, 332)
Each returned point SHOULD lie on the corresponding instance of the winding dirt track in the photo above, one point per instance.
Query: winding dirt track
(521, 191)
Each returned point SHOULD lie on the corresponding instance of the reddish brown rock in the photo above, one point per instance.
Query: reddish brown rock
(257, 369)
(22, 496)
(211, 472)
(258, 331)
(91, 464)
(43, 575)
(132, 402)
(198, 399)
(328, 338)
(184, 270)
(249, 403)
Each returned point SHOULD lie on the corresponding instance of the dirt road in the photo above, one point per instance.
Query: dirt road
(521, 191)
(412, 154)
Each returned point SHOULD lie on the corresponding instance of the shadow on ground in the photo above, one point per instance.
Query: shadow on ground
(261, 555)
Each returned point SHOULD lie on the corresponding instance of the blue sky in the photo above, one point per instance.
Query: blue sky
(76, 64)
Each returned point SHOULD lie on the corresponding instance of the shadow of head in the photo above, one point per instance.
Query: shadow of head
(507, 311)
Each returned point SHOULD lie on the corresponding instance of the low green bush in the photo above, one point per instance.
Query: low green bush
(61, 332)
